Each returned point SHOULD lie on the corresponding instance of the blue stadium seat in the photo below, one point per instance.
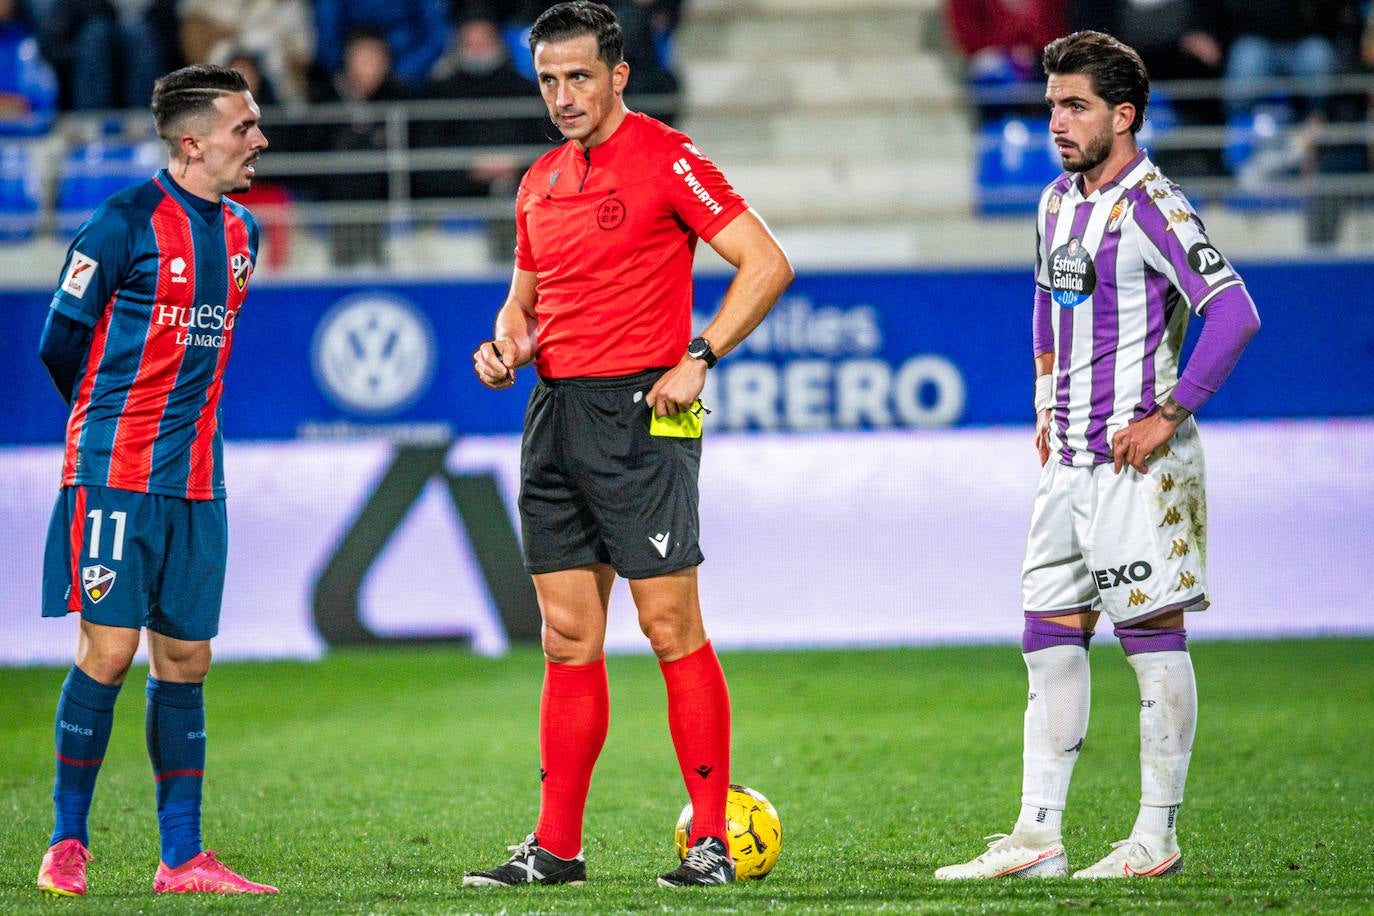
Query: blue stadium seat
(20, 190)
(93, 171)
(26, 75)
(517, 38)
(1258, 151)
(1016, 159)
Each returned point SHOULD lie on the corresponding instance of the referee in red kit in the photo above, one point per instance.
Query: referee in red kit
(601, 304)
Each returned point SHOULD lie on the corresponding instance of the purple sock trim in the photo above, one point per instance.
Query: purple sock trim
(1138, 639)
(1041, 634)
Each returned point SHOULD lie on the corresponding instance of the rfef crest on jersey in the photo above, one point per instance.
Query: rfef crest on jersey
(610, 213)
(97, 581)
(241, 266)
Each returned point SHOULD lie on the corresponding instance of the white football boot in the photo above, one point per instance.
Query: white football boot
(1141, 856)
(1015, 855)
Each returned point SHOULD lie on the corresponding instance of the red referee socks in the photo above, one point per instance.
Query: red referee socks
(574, 711)
(699, 719)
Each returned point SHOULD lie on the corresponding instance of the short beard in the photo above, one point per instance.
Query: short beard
(1096, 153)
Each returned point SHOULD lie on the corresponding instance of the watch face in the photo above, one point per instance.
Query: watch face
(700, 348)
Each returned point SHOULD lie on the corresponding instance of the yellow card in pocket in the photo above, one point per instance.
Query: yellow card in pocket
(685, 425)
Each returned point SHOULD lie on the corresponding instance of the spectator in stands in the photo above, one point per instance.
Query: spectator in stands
(28, 86)
(1282, 38)
(478, 66)
(366, 76)
(1354, 47)
(107, 53)
(1177, 40)
(416, 32)
(647, 26)
(279, 34)
(1307, 42)
(1001, 42)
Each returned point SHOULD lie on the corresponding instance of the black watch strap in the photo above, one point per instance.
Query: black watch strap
(700, 348)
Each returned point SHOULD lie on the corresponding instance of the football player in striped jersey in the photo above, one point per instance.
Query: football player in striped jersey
(136, 341)
(1119, 524)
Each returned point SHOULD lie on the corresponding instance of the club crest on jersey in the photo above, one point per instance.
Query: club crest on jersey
(610, 213)
(79, 274)
(96, 582)
(1118, 215)
(241, 267)
(1072, 274)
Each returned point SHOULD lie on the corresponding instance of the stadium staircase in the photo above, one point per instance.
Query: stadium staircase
(844, 122)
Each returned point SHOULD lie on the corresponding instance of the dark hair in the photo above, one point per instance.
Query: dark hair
(565, 21)
(191, 92)
(1116, 70)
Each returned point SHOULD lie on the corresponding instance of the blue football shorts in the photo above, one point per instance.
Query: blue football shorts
(127, 559)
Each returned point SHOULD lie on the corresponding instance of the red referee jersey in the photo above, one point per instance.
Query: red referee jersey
(611, 233)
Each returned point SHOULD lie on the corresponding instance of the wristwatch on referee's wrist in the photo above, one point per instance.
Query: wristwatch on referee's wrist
(700, 348)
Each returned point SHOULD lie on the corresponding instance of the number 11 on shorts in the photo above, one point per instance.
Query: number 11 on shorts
(96, 516)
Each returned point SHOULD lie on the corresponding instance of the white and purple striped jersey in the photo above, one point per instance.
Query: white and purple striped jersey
(1118, 274)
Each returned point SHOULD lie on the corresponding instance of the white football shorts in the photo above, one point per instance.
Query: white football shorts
(1130, 544)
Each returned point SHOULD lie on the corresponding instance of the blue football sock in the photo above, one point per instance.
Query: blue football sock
(176, 747)
(85, 716)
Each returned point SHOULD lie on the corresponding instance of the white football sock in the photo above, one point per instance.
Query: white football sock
(1056, 721)
(1168, 719)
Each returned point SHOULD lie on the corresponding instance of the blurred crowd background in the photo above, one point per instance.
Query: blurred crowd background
(905, 130)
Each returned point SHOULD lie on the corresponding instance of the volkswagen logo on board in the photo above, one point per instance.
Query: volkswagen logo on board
(374, 354)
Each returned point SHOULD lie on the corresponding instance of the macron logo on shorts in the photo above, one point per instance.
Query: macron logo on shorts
(660, 542)
(79, 274)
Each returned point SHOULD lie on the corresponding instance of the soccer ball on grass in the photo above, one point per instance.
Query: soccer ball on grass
(755, 832)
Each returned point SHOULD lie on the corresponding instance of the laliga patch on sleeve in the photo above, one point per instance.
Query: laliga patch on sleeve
(79, 273)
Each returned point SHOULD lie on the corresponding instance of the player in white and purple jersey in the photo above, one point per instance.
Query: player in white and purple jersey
(136, 341)
(1120, 516)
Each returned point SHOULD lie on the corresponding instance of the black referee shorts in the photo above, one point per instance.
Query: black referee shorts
(597, 487)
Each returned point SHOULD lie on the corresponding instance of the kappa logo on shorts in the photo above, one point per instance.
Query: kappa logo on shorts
(97, 581)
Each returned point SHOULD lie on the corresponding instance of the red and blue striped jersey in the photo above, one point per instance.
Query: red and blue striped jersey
(160, 285)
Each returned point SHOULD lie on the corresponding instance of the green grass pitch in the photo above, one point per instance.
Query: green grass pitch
(368, 783)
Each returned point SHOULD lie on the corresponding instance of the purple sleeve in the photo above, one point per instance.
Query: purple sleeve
(1230, 321)
(1042, 337)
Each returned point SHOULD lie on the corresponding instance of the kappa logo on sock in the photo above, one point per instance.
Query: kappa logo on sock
(703, 771)
(97, 581)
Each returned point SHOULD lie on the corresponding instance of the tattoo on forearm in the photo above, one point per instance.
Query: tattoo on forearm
(1174, 412)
